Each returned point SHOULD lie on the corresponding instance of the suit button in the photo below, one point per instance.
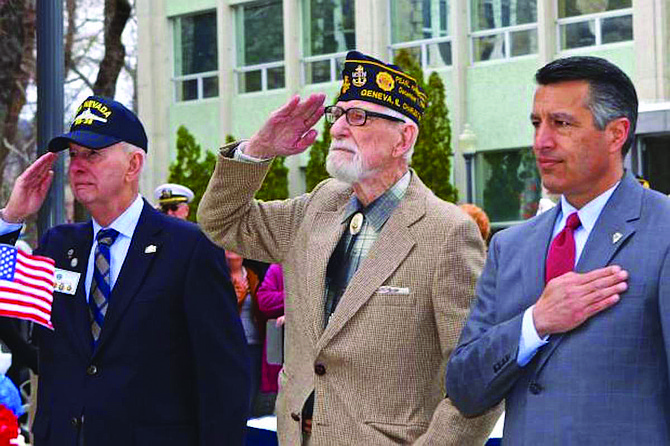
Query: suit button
(535, 388)
(320, 369)
(91, 370)
(295, 416)
(74, 421)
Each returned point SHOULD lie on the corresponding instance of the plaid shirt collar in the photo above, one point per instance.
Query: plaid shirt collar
(379, 211)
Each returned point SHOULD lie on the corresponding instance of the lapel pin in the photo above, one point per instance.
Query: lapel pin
(74, 262)
(150, 249)
(616, 237)
(356, 223)
(70, 252)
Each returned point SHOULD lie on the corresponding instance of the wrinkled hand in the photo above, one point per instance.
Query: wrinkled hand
(571, 299)
(289, 129)
(30, 189)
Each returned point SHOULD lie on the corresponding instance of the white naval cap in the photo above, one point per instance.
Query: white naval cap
(171, 193)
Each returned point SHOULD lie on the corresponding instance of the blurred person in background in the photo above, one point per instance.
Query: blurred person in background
(271, 303)
(173, 199)
(480, 217)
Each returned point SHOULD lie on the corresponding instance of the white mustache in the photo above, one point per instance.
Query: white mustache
(344, 145)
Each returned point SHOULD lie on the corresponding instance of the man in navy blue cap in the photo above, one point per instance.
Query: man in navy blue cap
(379, 272)
(147, 347)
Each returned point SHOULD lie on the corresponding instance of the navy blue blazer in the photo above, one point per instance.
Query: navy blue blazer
(170, 367)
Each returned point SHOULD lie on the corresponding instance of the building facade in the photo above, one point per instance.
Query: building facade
(219, 67)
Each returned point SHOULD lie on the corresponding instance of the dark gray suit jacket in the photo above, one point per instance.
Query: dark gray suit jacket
(605, 382)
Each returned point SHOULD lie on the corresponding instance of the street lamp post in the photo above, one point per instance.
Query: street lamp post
(50, 102)
(467, 141)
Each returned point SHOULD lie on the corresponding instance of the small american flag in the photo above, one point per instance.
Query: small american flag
(26, 285)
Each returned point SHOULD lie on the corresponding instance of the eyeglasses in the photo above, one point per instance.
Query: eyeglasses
(355, 116)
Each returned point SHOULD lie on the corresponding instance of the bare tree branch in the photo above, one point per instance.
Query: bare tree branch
(117, 13)
(71, 10)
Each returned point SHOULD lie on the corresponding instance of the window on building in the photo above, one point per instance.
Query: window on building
(329, 32)
(508, 185)
(500, 29)
(422, 27)
(195, 57)
(589, 23)
(260, 46)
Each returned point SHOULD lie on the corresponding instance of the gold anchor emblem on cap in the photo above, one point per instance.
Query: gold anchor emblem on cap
(616, 237)
(356, 223)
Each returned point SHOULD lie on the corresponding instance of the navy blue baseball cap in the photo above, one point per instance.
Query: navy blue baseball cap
(101, 122)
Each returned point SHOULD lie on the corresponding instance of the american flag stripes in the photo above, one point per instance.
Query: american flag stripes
(26, 285)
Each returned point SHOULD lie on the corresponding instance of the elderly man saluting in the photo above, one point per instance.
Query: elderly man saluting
(147, 348)
(379, 272)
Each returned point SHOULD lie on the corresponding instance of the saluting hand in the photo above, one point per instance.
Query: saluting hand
(30, 189)
(288, 130)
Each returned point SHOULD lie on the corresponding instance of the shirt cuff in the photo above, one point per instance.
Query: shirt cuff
(238, 155)
(6, 228)
(529, 341)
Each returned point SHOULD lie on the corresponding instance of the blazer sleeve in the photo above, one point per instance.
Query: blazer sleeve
(10, 238)
(271, 292)
(219, 347)
(22, 351)
(231, 218)
(453, 286)
(483, 368)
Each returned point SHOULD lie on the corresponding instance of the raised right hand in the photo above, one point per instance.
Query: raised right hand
(569, 300)
(30, 189)
(288, 130)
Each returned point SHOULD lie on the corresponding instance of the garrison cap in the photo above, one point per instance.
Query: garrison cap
(365, 78)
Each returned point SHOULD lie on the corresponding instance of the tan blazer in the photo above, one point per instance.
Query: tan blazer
(378, 367)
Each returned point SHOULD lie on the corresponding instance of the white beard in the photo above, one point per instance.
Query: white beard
(342, 166)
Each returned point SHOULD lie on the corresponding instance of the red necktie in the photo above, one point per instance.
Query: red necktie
(561, 256)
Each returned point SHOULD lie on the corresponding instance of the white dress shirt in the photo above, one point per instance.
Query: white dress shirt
(125, 224)
(530, 341)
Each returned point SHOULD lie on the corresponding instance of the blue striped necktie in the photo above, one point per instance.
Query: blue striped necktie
(101, 284)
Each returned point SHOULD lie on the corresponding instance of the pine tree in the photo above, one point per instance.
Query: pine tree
(432, 151)
(315, 172)
(275, 185)
(190, 169)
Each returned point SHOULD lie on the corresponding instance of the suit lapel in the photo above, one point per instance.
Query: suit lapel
(387, 253)
(614, 226)
(330, 231)
(533, 258)
(135, 267)
(76, 320)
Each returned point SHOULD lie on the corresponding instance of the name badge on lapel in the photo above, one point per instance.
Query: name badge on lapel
(66, 281)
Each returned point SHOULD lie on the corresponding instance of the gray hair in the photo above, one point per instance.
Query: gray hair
(396, 114)
(130, 149)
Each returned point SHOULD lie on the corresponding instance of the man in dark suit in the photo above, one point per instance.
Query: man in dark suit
(579, 356)
(147, 348)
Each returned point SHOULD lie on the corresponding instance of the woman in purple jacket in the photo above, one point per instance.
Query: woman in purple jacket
(270, 297)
